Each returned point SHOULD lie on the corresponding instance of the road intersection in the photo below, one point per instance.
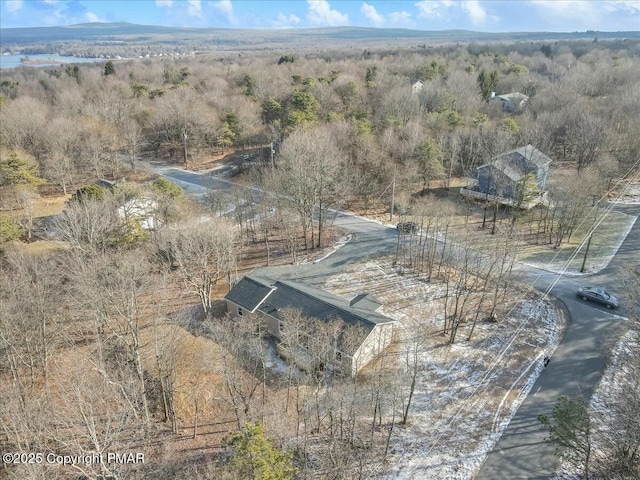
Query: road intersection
(576, 366)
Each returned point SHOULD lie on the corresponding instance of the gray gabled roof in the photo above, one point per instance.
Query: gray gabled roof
(503, 167)
(316, 303)
(270, 296)
(532, 155)
(249, 293)
(104, 183)
(365, 301)
(513, 97)
(511, 163)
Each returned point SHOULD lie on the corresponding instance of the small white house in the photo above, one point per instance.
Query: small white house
(417, 87)
(141, 210)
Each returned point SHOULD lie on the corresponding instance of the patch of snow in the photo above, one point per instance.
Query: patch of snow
(336, 246)
(630, 195)
(326, 252)
(595, 265)
(360, 217)
(466, 393)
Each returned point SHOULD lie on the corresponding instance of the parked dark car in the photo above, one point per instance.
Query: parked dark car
(408, 227)
(598, 295)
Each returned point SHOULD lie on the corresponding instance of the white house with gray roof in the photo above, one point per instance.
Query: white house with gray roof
(370, 334)
(510, 102)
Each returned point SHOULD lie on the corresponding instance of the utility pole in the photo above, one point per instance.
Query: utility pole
(184, 144)
(595, 221)
(271, 154)
(584, 260)
(393, 194)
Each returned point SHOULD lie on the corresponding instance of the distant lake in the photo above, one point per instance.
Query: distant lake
(11, 61)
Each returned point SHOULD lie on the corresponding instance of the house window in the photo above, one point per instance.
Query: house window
(240, 312)
(280, 326)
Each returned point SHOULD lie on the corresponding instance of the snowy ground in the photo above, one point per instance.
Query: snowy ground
(467, 392)
(630, 195)
(327, 252)
(603, 247)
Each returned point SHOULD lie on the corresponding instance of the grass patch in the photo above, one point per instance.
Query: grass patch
(606, 240)
(37, 248)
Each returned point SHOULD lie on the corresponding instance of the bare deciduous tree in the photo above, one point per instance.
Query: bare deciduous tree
(306, 175)
(117, 290)
(204, 253)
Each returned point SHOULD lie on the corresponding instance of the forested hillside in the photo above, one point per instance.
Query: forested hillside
(112, 340)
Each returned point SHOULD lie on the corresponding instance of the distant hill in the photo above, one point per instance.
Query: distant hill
(82, 31)
(261, 38)
(122, 31)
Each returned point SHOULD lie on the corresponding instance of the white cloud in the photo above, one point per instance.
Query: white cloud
(430, 8)
(51, 2)
(611, 6)
(226, 7)
(630, 6)
(286, 21)
(571, 14)
(320, 13)
(476, 13)
(401, 19)
(567, 7)
(164, 3)
(92, 17)
(194, 8)
(13, 5)
(426, 8)
(370, 12)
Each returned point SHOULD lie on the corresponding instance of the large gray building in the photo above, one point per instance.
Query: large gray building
(363, 335)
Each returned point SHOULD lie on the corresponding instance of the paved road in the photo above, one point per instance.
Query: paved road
(368, 240)
(576, 366)
(575, 369)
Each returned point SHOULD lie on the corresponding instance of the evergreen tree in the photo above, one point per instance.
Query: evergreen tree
(109, 69)
(10, 229)
(371, 76)
(271, 110)
(429, 162)
(488, 82)
(74, 72)
(255, 457)
(248, 84)
(166, 187)
(15, 170)
(305, 107)
(89, 192)
(570, 431)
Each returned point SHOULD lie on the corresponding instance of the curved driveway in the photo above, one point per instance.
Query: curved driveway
(576, 365)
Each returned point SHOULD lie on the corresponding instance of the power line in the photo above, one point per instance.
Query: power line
(481, 382)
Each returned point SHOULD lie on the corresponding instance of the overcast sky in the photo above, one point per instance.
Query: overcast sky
(479, 15)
